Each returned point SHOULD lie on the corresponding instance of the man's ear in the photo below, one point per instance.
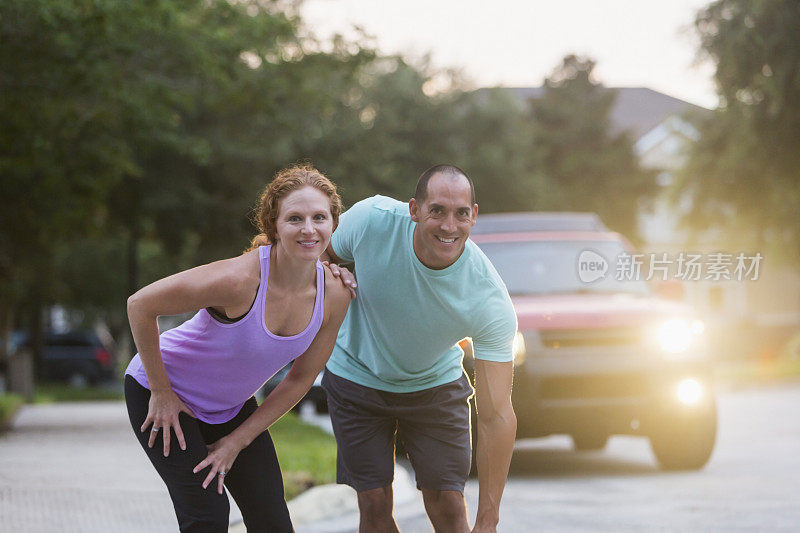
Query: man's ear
(413, 209)
(474, 214)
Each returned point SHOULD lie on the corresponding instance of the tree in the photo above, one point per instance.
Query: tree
(115, 116)
(492, 136)
(587, 167)
(742, 173)
(62, 144)
(388, 126)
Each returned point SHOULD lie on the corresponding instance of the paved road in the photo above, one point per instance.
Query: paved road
(77, 468)
(752, 482)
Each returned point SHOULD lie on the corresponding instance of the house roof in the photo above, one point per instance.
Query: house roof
(636, 109)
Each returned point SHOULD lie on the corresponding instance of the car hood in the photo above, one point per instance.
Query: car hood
(594, 311)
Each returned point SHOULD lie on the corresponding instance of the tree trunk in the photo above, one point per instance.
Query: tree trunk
(125, 343)
(37, 336)
(6, 327)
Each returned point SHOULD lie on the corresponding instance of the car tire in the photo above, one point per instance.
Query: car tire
(685, 441)
(589, 441)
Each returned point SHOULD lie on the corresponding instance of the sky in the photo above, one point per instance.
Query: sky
(518, 43)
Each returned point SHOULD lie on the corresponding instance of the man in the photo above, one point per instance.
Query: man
(396, 367)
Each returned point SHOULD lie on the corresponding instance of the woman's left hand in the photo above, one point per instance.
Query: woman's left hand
(221, 456)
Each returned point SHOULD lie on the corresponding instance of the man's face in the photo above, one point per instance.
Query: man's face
(444, 220)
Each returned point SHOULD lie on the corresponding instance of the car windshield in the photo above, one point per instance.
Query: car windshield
(547, 267)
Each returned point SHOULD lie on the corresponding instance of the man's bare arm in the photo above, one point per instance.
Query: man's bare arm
(497, 429)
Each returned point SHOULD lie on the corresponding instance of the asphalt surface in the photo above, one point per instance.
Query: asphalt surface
(76, 467)
(751, 483)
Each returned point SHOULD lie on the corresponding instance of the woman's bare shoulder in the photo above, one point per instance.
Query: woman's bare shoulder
(337, 296)
(240, 275)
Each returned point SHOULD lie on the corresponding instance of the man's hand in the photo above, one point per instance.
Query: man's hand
(347, 278)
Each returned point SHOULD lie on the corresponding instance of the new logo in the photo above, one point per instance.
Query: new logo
(591, 266)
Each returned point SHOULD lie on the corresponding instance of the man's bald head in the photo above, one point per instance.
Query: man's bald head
(449, 171)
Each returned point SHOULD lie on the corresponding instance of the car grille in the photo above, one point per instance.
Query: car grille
(572, 338)
(596, 386)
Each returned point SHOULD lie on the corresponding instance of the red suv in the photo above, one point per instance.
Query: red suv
(597, 356)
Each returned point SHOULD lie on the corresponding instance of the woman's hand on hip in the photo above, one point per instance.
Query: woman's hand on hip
(162, 414)
(221, 456)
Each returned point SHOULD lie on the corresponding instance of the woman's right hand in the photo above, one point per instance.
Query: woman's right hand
(162, 414)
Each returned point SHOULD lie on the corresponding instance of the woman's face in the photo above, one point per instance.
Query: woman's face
(304, 224)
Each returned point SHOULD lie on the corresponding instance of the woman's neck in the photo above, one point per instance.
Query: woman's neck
(288, 273)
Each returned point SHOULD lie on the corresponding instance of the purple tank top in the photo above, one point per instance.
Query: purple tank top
(215, 368)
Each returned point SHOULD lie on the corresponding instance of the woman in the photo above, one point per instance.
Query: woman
(194, 384)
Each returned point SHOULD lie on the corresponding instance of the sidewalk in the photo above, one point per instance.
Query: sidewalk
(75, 467)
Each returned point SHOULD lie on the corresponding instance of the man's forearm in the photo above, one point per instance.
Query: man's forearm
(495, 447)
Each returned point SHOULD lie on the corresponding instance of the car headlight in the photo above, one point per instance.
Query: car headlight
(518, 348)
(678, 335)
(689, 391)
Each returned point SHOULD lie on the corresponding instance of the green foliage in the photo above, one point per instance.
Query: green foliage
(127, 122)
(307, 454)
(49, 392)
(137, 136)
(742, 172)
(399, 130)
(493, 136)
(588, 168)
(9, 403)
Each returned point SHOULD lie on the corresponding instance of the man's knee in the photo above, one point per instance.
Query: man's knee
(447, 506)
(376, 505)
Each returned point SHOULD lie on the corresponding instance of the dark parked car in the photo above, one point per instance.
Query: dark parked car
(78, 357)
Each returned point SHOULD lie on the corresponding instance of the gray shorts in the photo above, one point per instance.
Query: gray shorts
(432, 424)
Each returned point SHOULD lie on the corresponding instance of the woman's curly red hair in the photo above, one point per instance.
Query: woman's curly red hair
(286, 181)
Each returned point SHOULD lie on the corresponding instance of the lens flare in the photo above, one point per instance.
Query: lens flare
(689, 391)
(675, 336)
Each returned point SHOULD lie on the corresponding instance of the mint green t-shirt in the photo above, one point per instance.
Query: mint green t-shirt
(401, 332)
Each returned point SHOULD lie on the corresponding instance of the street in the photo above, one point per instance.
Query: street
(76, 467)
(752, 482)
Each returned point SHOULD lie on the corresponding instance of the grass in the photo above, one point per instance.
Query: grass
(307, 454)
(9, 403)
(48, 392)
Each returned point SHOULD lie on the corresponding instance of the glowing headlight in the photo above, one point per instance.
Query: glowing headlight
(689, 391)
(518, 349)
(675, 335)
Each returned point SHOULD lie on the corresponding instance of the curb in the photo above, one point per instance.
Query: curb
(325, 502)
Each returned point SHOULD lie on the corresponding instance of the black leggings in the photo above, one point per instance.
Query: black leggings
(254, 480)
